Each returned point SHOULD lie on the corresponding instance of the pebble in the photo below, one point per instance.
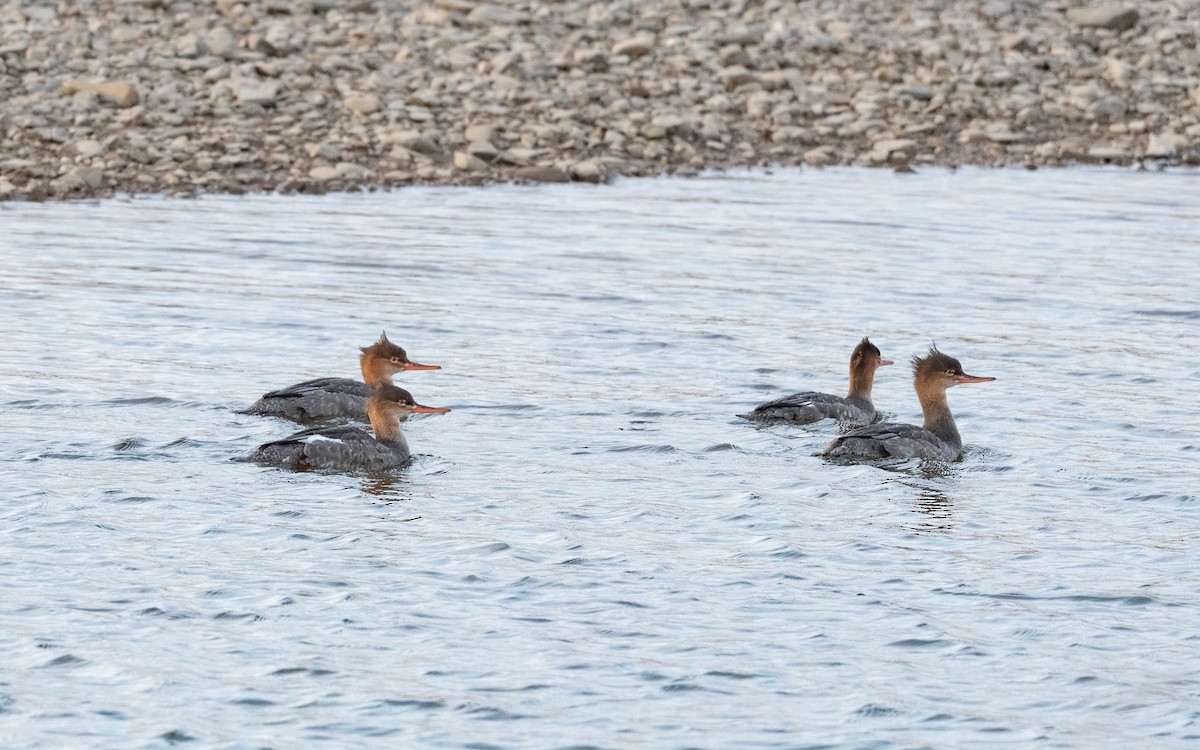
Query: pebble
(635, 47)
(1112, 17)
(120, 93)
(467, 161)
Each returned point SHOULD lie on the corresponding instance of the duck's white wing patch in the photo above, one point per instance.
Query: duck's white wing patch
(321, 439)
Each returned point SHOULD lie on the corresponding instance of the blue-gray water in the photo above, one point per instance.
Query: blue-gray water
(592, 550)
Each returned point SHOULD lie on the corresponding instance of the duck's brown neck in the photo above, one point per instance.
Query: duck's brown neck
(385, 423)
(376, 371)
(861, 381)
(936, 410)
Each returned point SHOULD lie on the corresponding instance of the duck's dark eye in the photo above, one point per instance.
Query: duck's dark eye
(396, 360)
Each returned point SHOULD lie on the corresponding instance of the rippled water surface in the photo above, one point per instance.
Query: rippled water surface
(592, 550)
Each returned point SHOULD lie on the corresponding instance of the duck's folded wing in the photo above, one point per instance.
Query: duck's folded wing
(322, 385)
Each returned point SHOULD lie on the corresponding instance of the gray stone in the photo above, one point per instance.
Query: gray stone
(323, 173)
(494, 15)
(1164, 145)
(250, 91)
(635, 47)
(468, 162)
(364, 104)
(589, 170)
(414, 140)
(736, 76)
(1107, 152)
(190, 46)
(87, 148)
(823, 43)
(543, 174)
(1110, 106)
(822, 156)
(883, 150)
(918, 91)
(518, 157)
(350, 171)
(997, 9)
(120, 93)
(93, 177)
(221, 42)
(482, 149)
(480, 133)
(1112, 17)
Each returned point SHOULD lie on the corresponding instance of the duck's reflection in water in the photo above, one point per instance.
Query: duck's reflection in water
(930, 490)
(391, 488)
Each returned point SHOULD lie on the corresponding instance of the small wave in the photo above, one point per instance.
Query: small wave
(66, 660)
(176, 737)
(422, 705)
(1183, 314)
(872, 709)
(644, 449)
(29, 403)
(722, 448)
(920, 643)
(156, 400)
(1135, 600)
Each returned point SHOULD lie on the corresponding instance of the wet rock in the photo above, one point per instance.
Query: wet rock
(589, 170)
(1107, 153)
(79, 181)
(542, 174)
(92, 177)
(883, 150)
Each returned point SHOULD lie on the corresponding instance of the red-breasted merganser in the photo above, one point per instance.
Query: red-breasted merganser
(349, 448)
(327, 398)
(810, 406)
(937, 440)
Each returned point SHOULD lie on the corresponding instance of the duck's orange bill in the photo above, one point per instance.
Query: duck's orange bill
(973, 379)
(885, 362)
(415, 366)
(429, 409)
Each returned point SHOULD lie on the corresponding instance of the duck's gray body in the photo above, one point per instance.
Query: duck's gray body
(892, 440)
(810, 406)
(322, 398)
(334, 448)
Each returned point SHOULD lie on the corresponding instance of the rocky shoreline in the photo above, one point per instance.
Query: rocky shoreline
(101, 97)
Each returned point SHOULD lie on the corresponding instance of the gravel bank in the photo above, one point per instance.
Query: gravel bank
(184, 96)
